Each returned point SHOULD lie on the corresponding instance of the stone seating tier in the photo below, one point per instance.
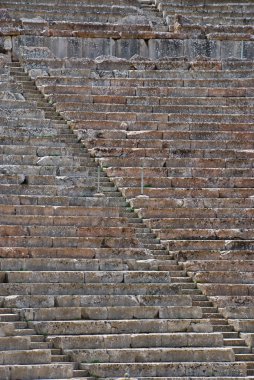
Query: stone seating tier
(101, 277)
(179, 149)
(206, 12)
(111, 297)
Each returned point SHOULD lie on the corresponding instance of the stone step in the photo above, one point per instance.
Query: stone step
(9, 317)
(94, 289)
(33, 371)
(131, 115)
(61, 201)
(196, 110)
(155, 99)
(39, 345)
(207, 83)
(230, 335)
(80, 252)
(109, 312)
(74, 182)
(69, 220)
(43, 151)
(245, 357)
(19, 342)
(92, 264)
(86, 277)
(213, 316)
(241, 350)
(123, 326)
(60, 358)
(164, 369)
(235, 342)
(136, 340)
(26, 357)
(223, 328)
(151, 355)
(218, 321)
(204, 265)
(88, 301)
(25, 332)
(222, 277)
(19, 234)
(37, 338)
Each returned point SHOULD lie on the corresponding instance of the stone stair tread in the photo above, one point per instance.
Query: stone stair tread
(164, 367)
(110, 312)
(151, 354)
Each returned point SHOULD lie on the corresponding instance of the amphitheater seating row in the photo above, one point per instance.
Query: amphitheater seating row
(209, 12)
(186, 130)
(86, 288)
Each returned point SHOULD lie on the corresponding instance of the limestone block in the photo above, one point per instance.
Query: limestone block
(27, 357)
(166, 369)
(180, 312)
(117, 327)
(147, 277)
(160, 49)
(164, 300)
(43, 371)
(236, 312)
(105, 62)
(19, 343)
(94, 313)
(7, 329)
(104, 277)
(104, 300)
(234, 301)
(48, 277)
(126, 48)
(36, 52)
(132, 312)
(44, 314)
(153, 355)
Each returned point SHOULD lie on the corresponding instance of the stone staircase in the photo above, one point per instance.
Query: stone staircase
(137, 328)
(214, 13)
(126, 203)
(223, 288)
(111, 301)
(133, 12)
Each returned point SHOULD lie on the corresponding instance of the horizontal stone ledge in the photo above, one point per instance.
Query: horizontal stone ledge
(167, 370)
(141, 355)
(145, 35)
(137, 340)
(110, 313)
(121, 326)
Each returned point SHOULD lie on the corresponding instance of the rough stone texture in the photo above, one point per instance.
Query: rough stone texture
(116, 288)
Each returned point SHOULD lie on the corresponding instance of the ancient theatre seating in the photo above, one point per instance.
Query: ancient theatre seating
(86, 288)
(189, 124)
(211, 12)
